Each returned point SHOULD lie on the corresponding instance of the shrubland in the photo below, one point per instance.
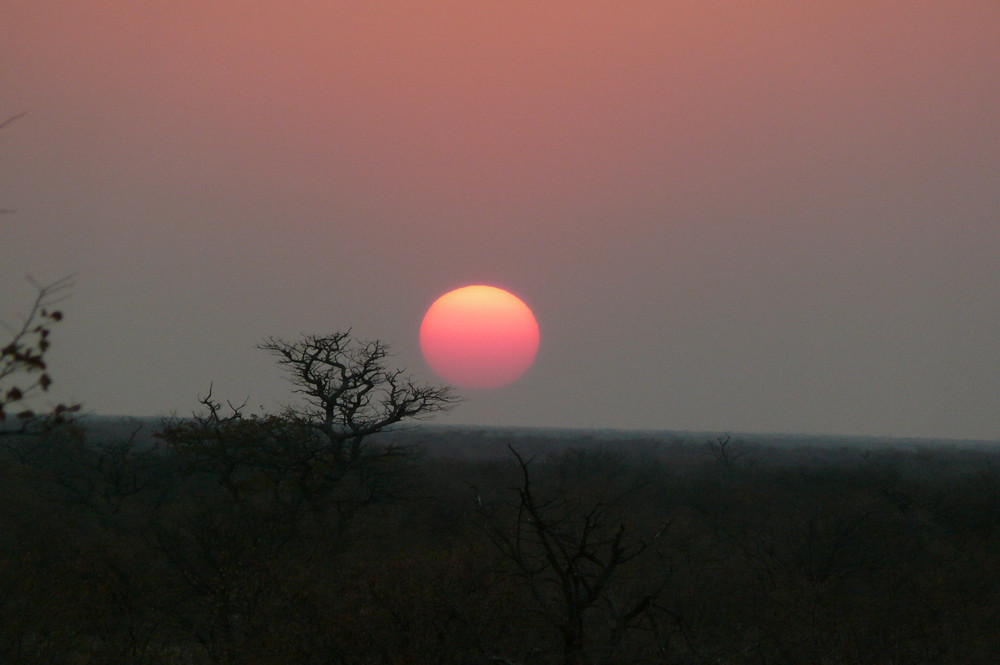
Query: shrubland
(236, 542)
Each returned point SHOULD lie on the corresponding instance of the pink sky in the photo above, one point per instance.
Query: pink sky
(769, 216)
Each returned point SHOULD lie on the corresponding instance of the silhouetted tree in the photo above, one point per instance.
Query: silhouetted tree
(308, 450)
(348, 393)
(267, 497)
(572, 555)
(23, 367)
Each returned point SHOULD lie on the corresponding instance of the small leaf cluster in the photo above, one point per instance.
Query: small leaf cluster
(23, 367)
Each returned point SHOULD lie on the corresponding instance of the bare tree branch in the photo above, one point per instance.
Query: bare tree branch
(569, 556)
(11, 119)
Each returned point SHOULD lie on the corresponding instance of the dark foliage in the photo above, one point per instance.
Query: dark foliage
(641, 551)
(23, 364)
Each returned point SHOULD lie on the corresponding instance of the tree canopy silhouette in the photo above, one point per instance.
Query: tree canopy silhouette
(348, 392)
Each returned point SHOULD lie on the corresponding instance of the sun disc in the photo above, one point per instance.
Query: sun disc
(479, 337)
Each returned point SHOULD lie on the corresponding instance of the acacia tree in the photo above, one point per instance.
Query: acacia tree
(278, 485)
(348, 392)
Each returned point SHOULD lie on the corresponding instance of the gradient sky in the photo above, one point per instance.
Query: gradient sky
(771, 216)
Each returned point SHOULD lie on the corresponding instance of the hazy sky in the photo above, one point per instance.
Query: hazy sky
(727, 216)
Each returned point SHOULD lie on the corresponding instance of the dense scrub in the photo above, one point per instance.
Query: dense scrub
(577, 552)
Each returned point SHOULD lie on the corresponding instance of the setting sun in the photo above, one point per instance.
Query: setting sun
(479, 337)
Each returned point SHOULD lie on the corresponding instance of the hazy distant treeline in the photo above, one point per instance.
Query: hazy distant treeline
(553, 551)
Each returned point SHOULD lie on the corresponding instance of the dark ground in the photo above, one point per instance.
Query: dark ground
(602, 547)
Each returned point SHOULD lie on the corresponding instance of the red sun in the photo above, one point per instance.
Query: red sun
(479, 337)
